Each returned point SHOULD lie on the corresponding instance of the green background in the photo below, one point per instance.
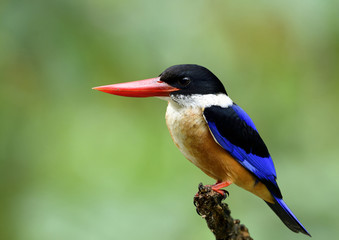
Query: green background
(79, 164)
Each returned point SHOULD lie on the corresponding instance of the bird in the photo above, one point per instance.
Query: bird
(213, 133)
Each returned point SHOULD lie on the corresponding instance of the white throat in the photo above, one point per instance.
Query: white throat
(200, 100)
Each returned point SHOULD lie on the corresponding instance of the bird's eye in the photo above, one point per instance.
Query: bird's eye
(184, 81)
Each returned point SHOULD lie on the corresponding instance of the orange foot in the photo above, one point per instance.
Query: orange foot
(216, 187)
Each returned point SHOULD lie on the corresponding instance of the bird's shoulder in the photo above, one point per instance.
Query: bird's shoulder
(234, 124)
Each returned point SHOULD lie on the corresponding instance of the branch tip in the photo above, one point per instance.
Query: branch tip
(209, 206)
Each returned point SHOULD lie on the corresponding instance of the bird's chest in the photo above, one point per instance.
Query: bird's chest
(192, 136)
(189, 132)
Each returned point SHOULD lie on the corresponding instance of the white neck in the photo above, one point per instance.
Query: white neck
(200, 100)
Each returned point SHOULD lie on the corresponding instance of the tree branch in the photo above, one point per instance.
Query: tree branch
(218, 215)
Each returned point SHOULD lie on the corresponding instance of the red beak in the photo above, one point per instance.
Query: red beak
(152, 87)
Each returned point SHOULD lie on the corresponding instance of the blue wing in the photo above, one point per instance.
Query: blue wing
(234, 130)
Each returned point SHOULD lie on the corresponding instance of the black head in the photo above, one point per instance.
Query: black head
(192, 79)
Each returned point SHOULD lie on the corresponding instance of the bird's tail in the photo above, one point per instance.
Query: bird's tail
(287, 217)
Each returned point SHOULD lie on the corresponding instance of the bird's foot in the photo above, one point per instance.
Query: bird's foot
(217, 188)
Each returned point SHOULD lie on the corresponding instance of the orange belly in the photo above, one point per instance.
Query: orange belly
(191, 135)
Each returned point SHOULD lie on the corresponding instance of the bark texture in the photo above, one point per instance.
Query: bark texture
(218, 216)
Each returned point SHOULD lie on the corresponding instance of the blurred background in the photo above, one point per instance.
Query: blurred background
(80, 164)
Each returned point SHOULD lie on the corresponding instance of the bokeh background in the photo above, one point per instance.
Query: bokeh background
(80, 164)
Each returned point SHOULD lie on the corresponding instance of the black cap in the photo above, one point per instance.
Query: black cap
(192, 79)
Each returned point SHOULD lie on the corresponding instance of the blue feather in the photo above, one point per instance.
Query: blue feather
(243, 116)
(286, 216)
(261, 167)
(235, 131)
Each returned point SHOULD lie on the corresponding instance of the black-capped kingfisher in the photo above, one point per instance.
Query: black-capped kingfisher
(213, 132)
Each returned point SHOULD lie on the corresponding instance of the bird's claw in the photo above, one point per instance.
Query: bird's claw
(222, 192)
(206, 188)
(225, 195)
